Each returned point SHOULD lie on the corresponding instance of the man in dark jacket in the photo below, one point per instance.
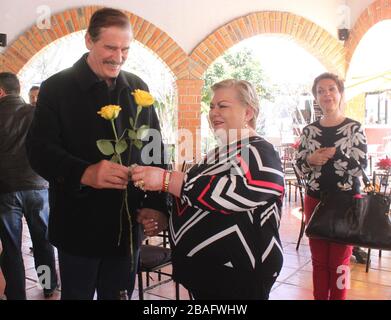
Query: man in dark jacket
(86, 189)
(22, 191)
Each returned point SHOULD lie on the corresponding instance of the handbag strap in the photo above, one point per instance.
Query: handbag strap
(364, 176)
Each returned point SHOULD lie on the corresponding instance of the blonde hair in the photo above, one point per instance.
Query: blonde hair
(246, 94)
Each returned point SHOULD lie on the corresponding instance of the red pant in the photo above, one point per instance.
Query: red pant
(330, 262)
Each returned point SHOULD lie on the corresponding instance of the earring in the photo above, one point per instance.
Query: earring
(246, 125)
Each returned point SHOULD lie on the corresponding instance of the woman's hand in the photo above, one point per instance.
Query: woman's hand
(147, 178)
(321, 156)
(153, 221)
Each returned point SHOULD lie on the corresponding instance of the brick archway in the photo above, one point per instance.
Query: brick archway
(374, 13)
(72, 20)
(188, 70)
(312, 37)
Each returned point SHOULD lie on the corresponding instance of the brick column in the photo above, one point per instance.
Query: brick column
(189, 119)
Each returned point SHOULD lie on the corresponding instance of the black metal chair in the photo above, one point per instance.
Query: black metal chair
(153, 258)
(381, 181)
(186, 165)
(300, 186)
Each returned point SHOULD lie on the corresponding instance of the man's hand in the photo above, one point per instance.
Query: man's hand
(105, 175)
(152, 220)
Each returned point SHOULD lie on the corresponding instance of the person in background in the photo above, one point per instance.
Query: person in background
(22, 193)
(360, 255)
(33, 95)
(224, 231)
(329, 151)
(88, 223)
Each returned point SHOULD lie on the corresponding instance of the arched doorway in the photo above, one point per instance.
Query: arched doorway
(283, 84)
(64, 52)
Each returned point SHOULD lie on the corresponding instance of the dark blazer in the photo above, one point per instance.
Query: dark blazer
(61, 144)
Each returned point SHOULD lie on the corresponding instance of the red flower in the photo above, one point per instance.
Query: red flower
(296, 144)
(384, 164)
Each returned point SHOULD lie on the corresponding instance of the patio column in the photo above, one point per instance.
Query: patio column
(189, 119)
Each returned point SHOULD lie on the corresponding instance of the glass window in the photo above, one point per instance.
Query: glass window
(377, 108)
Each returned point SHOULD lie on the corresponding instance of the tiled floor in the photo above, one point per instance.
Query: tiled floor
(294, 282)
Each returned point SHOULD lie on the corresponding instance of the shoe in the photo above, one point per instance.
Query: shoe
(48, 293)
(360, 255)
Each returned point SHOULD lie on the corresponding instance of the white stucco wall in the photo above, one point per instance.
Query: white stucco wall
(188, 22)
(357, 7)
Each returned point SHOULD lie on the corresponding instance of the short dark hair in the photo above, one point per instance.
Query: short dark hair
(9, 82)
(105, 18)
(34, 88)
(328, 75)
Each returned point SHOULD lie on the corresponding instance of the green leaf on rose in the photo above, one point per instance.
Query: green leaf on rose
(105, 146)
(115, 158)
(142, 132)
(132, 134)
(138, 144)
(121, 146)
(131, 121)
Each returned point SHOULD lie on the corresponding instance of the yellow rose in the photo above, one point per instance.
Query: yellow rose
(143, 98)
(109, 112)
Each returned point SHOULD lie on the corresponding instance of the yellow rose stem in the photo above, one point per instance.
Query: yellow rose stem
(116, 138)
(139, 108)
(126, 194)
(126, 205)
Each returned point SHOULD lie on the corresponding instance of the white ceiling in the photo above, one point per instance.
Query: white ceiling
(188, 22)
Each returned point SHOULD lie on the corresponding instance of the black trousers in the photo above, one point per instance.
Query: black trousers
(260, 292)
(108, 276)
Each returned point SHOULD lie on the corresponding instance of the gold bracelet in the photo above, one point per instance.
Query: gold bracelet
(166, 181)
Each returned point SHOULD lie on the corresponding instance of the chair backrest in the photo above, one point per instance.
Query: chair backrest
(301, 183)
(161, 239)
(171, 166)
(301, 179)
(153, 258)
(382, 181)
(187, 164)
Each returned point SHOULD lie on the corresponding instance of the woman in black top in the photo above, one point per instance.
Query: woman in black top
(227, 210)
(332, 153)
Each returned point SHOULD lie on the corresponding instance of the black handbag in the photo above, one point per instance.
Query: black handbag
(365, 222)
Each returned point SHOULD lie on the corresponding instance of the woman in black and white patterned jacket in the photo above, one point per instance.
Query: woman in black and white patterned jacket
(227, 210)
(332, 153)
